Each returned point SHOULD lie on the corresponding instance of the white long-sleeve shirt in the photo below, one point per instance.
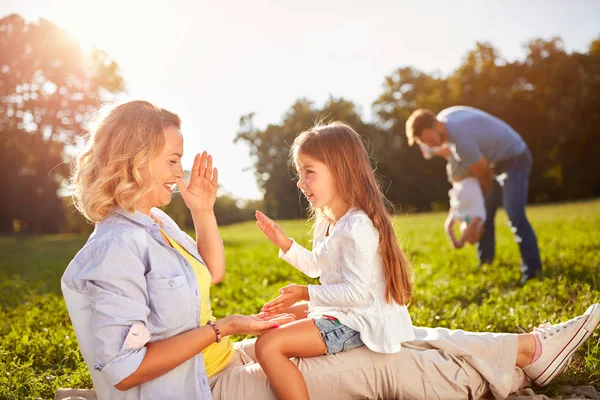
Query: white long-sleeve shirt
(352, 288)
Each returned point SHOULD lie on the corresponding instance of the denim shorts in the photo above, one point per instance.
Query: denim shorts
(337, 336)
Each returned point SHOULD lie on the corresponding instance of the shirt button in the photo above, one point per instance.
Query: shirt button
(171, 282)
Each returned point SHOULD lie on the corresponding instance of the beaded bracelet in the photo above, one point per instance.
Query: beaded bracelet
(217, 331)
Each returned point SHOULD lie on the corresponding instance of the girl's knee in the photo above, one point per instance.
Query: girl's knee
(266, 345)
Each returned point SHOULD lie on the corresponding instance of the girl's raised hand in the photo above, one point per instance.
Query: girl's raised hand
(201, 193)
(273, 232)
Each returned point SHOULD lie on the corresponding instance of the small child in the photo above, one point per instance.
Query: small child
(365, 276)
(466, 204)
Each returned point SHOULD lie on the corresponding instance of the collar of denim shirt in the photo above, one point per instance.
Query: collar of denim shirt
(136, 216)
(149, 223)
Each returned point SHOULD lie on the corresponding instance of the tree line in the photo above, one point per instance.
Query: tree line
(49, 87)
(551, 97)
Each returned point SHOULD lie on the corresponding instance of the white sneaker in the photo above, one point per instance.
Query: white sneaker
(559, 342)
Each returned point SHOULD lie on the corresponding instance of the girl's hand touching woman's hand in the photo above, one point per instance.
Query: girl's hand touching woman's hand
(289, 296)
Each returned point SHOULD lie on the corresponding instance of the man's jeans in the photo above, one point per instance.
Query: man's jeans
(510, 189)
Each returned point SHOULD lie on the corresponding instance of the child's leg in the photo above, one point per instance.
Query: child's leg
(275, 347)
(449, 228)
(300, 310)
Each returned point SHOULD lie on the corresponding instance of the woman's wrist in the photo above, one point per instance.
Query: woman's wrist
(225, 326)
(201, 214)
(216, 329)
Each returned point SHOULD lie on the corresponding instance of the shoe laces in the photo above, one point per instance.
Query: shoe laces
(546, 329)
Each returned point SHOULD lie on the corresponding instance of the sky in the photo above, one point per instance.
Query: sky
(212, 62)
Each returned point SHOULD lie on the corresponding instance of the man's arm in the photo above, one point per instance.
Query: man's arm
(482, 171)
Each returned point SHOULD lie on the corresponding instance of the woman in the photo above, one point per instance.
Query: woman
(138, 294)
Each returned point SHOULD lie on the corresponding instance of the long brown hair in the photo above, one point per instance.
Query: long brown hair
(339, 147)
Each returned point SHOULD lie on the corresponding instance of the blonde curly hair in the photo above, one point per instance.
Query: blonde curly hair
(113, 168)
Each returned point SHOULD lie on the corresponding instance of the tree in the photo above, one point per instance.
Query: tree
(48, 85)
(565, 91)
(551, 98)
(270, 148)
(414, 184)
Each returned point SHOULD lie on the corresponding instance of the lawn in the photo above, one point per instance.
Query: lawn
(39, 353)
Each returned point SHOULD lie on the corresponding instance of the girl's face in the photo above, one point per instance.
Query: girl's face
(165, 170)
(318, 185)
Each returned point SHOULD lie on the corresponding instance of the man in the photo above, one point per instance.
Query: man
(481, 141)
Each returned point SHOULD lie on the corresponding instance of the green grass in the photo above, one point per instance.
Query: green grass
(39, 353)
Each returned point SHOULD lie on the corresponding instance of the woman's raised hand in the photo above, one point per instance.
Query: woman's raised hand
(201, 193)
(273, 232)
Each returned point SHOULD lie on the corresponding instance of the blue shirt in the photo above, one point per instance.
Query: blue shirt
(473, 133)
(124, 275)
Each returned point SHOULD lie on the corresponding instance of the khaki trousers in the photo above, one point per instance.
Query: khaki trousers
(439, 364)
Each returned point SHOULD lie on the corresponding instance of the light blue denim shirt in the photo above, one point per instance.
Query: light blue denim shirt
(125, 275)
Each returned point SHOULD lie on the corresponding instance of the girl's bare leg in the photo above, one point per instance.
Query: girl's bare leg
(274, 349)
(300, 310)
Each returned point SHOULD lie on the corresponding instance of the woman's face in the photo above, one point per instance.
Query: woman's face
(165, 170)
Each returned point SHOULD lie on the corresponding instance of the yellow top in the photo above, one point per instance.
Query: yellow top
(217, 355)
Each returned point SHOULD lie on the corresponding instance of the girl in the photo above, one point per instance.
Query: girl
(364, 275)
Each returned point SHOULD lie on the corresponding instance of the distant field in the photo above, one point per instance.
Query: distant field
(39, 353)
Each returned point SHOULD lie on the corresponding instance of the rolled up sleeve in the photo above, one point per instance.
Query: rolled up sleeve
(114, 279)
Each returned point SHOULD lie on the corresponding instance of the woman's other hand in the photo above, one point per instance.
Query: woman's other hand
(280, 319)
(252, 324)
